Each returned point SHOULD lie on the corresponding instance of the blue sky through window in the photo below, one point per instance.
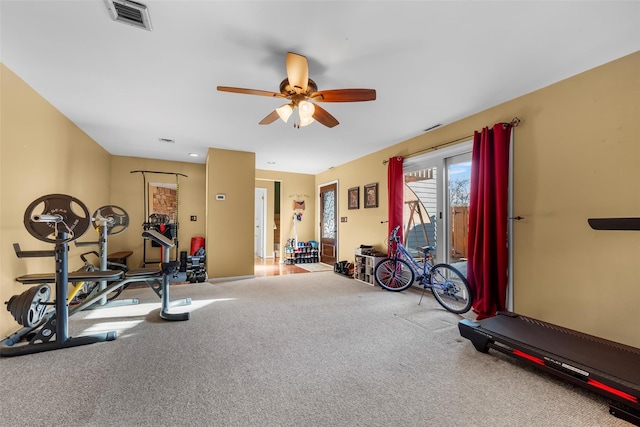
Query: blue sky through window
(460, 171)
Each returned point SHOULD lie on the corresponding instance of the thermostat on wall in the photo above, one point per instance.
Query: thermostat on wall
(220, 196)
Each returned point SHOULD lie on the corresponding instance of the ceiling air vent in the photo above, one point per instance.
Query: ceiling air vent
(129, 12)
(432, 127)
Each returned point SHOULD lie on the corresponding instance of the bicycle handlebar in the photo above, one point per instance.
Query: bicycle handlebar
(394, 234)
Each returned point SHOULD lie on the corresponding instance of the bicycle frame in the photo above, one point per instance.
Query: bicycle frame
(420, 270)
(400, 270)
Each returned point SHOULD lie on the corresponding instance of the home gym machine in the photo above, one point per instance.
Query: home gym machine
(160, 222)
(64, 219)
(605, 367)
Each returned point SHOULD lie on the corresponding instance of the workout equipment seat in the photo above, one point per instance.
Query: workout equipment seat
(73, 277)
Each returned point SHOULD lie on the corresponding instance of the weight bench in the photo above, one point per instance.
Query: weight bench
(53, 334)
(156, 278)
(56, 325)
(73, 277)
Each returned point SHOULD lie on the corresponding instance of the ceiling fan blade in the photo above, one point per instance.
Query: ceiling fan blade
(250, 91)
(297, 71)
(614, 223)
(272, 117)
(321, 115)
(344, 95)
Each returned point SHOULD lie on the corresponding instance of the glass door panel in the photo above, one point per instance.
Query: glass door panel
(437, 202)
(421, 209)
(458, 193)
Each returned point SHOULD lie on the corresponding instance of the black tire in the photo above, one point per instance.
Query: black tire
(450, 288)
(394, 274)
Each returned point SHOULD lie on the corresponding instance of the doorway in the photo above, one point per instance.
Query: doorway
(328, 223)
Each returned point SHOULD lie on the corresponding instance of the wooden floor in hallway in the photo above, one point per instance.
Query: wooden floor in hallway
(272, 267)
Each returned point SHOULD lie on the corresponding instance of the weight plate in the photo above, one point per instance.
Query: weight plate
(72, 218)
(28, 308)
(118, 219)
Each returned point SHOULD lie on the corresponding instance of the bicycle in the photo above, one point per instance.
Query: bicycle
(399, 271)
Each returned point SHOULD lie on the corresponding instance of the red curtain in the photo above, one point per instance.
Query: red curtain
(488, 255)
(395, 183)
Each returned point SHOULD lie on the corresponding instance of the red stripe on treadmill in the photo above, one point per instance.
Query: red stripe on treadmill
(528, 357)
(612, 390)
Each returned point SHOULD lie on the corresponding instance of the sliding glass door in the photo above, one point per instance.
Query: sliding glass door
(457, 192)
(437, 202)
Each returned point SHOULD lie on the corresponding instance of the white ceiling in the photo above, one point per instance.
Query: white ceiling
(431, 62)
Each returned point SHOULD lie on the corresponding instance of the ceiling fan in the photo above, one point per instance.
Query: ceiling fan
(302, 92)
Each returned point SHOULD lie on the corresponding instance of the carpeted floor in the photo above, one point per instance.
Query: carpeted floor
(295, 350)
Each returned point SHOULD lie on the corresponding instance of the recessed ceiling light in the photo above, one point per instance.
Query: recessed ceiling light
(194, 154)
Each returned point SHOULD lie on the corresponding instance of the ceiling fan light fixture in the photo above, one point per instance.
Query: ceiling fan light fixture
(305, 121)
(306, 109)
(285, 112)
(299, 89)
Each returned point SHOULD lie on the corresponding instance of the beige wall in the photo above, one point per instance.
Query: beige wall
(363, 226)
(42, 152)
(230, 222)
(576, 155)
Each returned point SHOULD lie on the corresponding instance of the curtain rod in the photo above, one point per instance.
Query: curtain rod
(513, 123)
(165, 173)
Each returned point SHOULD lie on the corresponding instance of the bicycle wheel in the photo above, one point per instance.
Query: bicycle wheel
(450, 288)
(394, 274)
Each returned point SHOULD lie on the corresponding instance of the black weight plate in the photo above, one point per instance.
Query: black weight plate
(28, 308)
(75, 219)
(118, 219)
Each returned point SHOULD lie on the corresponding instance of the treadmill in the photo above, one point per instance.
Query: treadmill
(607, 368)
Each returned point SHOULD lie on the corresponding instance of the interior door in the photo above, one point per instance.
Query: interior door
(260, 237)
(328, 224)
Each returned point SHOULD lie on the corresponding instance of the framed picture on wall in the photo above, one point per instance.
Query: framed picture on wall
(163, 200)
(371, 195)
(354, 198)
